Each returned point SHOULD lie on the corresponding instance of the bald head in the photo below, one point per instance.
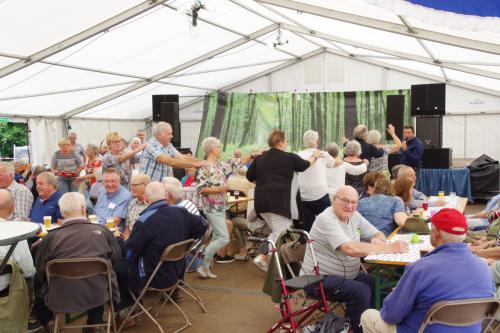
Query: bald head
(345, 202)
(154, 192)
(6, 204)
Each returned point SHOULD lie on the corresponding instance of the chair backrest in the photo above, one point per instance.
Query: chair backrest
(177, 251)
(77, 268)
(461, 312)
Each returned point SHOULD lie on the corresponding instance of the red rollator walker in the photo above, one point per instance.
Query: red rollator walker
(292, 320)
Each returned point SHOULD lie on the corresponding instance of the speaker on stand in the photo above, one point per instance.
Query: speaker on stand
(166, 108)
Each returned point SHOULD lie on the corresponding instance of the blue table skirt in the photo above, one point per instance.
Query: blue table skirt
(431, 181)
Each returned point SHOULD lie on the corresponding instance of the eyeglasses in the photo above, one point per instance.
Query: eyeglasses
(116, 141)
(347, 202)
(131, 184)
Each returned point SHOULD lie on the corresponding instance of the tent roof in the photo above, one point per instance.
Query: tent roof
(106, 58)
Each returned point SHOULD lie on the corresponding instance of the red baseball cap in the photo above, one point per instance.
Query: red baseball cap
(450, 220)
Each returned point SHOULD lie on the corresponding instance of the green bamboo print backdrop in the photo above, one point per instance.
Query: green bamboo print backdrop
(244, 121)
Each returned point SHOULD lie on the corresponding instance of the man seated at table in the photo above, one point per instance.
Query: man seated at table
(418, 197)
(382, 209)
(22, 257)
(138, 185)
(337, 234)
(447, 273)
(113, 199)
(76, 238)
(159, 226)
(47, 203)
(23, 199)
(480, 220)
(175, 195)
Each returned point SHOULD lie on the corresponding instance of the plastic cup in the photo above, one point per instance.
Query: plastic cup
(441, 194)
(423, 252)
(110, 223)
(47, 221)
(453, 195)
(236, 194)
(92, 218)
(425, 205)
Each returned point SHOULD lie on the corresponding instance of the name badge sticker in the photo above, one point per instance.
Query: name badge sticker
(111, 205)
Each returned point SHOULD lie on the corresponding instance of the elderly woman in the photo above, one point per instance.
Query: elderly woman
(383, 210)
(135, 143)
(368, 151)
(275, 191)
(335, 177)
(380, 164)
(352, 153)
(313, 181)
(66, 164)
(211, 183)
(91, 166)
(118, 159)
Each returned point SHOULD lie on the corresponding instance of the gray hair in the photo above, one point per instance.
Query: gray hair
(22, 161)
(208, 144)
(352, 148)
(174, 187)
(450, 238)
(155, 192)
(8, 168)
(402, 170)
(360, 132)
(135, 139)
(311, 139)
(333, 149)
(373, 137)
(160, 127)
(50, 177)
(71, 202)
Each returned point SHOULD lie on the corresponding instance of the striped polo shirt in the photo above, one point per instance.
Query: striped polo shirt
(328, 233)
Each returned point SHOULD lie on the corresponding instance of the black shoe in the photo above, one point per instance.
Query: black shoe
(224, 260)
(33, 326)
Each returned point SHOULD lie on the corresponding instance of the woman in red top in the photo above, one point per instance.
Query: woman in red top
(91, 167)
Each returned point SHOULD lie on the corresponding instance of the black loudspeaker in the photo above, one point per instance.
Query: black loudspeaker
(429, 130)
(428, 99)
(166, 108)
(437, 158)
(395, 114)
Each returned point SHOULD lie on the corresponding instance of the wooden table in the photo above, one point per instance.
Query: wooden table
(459, 203)
(232, 201)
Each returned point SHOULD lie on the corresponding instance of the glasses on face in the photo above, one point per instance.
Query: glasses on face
(137, 184)
(116, 141)
(348, 202)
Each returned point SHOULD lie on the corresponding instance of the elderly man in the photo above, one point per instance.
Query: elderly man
(412, 148)
(160, 156)
(78, 148)
(140, 134)
(23, 199)
(22, 257)
(159, 226)
(451, 271)
(47, 203)
(77, 238)
(138, 185)
(23, 170)
(113, 199)
(337, 233)
(368, 151)
(313, 182)
(175, 195)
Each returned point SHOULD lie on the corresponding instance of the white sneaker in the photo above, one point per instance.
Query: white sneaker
(205, 273)
(261, 263)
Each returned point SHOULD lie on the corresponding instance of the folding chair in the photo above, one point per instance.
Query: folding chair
(462, 313)
(172, 253)
(77, 269)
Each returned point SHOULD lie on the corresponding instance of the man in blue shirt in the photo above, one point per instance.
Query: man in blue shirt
(412, 148)
(450, 272)
(47, 203)
(113, 199)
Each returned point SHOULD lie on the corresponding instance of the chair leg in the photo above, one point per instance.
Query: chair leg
(56, 323)
(169, 299)
(187, 289)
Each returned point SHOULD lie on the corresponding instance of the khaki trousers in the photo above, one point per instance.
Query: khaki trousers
(373, 323)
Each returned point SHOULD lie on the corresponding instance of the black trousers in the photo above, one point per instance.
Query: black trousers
(313, 209)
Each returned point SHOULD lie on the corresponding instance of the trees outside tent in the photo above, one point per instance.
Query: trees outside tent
(245, 120)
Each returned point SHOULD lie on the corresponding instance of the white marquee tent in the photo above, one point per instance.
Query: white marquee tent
(95, 64)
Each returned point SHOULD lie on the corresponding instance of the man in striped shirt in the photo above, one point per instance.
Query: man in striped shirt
(175, 195)
(337, 235)
(160, 156)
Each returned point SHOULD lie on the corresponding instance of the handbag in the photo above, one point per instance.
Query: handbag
(14, 308)
(417, 225)
(330, 323)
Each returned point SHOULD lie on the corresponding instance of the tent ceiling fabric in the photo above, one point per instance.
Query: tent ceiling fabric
(113, 73)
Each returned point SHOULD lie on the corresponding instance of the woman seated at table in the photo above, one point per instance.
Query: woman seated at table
(403, 189)
(383, 210)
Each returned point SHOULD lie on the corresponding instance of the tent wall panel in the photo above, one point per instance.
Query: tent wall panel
(190, 132)
(44, 136)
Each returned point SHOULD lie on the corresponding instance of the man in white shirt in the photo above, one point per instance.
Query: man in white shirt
(312, 182)
(21, 254)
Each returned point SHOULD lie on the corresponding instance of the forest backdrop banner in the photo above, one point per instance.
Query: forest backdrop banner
(244, 121)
